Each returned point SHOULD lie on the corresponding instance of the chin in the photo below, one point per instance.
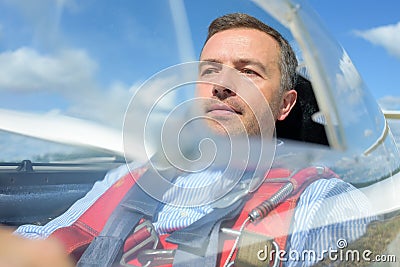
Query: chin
(221, 130)
(218, 129)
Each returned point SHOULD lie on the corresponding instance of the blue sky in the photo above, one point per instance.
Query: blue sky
(370, 33)
(86, 58)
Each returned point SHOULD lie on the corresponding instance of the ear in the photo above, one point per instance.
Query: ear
(288, 102)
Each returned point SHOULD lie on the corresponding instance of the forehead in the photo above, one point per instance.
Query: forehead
(241, 43)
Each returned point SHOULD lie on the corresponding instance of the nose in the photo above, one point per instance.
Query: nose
(222, 92)
(223, 86)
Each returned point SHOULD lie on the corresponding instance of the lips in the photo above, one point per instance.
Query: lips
(222, 109)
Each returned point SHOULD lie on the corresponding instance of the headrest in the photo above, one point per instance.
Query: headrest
(299, 125)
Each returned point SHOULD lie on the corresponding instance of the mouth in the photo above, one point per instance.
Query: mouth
(221, 109)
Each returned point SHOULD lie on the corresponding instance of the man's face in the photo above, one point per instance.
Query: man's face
(231, 105)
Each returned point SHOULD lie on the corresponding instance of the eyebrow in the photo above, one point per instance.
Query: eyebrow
(239, 62)
(209, 62)
(252, 62)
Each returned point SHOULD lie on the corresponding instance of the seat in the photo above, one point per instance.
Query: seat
(299, 125)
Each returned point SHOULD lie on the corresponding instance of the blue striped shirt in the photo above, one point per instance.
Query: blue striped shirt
(327, 211)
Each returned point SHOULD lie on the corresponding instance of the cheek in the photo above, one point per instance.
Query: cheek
(271, 95)
(262, 104)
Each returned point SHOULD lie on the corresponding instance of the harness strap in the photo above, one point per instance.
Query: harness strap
(184, 258)
(193, 240)
(107, 247)
(198, 244)
(135, 205)
(277, 224)
(199, 241)
(78, 236)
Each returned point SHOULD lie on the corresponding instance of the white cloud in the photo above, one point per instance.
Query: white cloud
(27, 70)
(390, 102)
(69, 73)
(386, 36)
(107, 106)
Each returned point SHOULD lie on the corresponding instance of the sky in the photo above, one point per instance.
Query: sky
(370, 32)
(86, 59)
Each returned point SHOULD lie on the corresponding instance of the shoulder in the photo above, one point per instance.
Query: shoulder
(79, 207)
(334, 189)
(115, 174)
(329, 210)
(334, 197)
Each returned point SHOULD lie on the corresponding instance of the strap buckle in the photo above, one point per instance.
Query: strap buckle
(144, 237)
(253, 249)
(156, 257)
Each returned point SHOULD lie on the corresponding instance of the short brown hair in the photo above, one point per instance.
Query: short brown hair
(288, 61)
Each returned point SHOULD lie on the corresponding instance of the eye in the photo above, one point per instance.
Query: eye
(249, 72)
(207, 71)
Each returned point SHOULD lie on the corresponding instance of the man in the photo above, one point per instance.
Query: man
(266, 59)
(252, 49)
